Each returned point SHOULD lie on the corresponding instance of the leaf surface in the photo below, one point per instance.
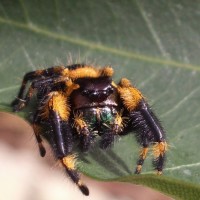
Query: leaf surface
(154, 44)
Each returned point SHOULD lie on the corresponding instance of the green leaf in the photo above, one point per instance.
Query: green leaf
(154, 44)
(177, 189)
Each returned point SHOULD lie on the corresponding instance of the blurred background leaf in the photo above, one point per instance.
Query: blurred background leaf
(154, 44)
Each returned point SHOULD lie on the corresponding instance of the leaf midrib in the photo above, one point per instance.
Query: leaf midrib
(100, 47)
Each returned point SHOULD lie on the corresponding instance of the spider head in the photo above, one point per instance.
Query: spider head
(95, 89)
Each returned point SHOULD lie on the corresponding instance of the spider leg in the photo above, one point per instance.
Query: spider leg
(82, 128)
(43, 86)
(37, 130)
(149, 128)
(64, 149)
(160, 146)
(37, 75)
(38, 117)
(142, 157)
(21, 103)
(145, 123)
(62, 133)
(68, 162)
(27, 77)
(112, 131)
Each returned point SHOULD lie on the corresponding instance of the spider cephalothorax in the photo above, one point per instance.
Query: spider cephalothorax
(83, 101)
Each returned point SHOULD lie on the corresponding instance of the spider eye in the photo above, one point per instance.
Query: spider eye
(110, 90)
(85, 92)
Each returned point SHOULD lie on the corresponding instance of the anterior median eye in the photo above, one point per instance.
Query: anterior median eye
(109, 90)
(85, 92)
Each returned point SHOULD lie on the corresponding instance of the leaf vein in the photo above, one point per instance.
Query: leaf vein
(100, 47)
(28, 58)
(179, 104)
(9, 88)
(183, 166)
(25, 12)
(152, 31)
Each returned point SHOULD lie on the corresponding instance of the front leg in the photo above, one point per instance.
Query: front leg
(19, 102)
(149, 130)
(63, 137)
(83, 130)
(112, 130)
(145, 123)
(36, 79)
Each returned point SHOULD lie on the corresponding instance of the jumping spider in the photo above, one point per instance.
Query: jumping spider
(83, 101)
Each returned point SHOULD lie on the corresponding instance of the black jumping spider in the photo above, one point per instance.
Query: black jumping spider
(83, 101)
